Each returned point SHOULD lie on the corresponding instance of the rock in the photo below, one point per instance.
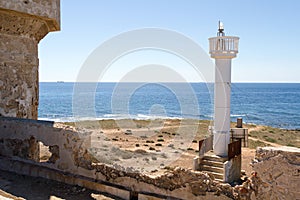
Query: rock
(279, 173)
(100, 197)
(198, 188)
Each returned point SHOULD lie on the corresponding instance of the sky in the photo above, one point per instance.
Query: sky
(269, 47)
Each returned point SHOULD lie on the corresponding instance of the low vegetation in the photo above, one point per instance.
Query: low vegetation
(276, 135)
(254, 144)
(263, 135)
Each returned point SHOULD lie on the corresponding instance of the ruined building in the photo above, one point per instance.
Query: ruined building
(23, 23)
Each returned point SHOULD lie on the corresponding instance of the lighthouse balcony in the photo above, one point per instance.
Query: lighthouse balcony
(223, 46)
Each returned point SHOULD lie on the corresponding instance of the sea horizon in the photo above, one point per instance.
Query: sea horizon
(270, 104)
(62, 81)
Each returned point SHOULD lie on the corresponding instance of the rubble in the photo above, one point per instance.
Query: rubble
(279, 171)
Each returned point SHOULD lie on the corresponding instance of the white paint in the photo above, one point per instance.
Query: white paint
(223, 49)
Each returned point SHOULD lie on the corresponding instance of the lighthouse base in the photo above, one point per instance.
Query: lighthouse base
(223, 169)
(220, 143)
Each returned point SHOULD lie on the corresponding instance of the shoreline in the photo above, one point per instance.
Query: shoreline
(262, 134)
(61, 120)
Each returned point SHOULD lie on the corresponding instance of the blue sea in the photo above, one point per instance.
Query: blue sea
(272, 104)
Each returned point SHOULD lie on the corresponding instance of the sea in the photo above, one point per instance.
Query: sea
(271, 104)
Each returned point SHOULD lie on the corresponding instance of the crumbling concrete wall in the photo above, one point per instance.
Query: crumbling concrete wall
(73, 163)
(23, 23)
(279, 171)
(232, 169)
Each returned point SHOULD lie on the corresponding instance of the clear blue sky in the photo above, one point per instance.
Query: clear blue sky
(269, 33)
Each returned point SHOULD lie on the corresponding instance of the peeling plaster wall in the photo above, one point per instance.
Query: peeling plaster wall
(18, 77)
(23, 23)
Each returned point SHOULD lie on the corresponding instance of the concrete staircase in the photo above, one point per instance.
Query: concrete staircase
(214, 165)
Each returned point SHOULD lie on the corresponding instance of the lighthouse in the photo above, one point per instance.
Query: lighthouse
(223, 49)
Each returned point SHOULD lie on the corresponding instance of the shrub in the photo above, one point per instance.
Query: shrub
(270, 140)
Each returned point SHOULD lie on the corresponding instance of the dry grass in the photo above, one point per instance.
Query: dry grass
(254, 144)
(278, 136)
(168, 129)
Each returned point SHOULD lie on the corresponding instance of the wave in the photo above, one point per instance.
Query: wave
(238, 115)
(115, 116)
(67, 119)
(137, 116)
(107, 117)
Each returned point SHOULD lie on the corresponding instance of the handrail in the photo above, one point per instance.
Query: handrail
(226, 44)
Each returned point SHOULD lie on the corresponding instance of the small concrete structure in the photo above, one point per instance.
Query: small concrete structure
(23, 24)
(240, 133)
(232, 169)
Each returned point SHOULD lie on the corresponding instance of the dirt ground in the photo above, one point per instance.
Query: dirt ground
(20, 187)
(158, 144)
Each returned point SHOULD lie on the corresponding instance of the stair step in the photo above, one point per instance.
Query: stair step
(219, 180)
(215, 158)
(212, 163)
(218, 176)
(212, 169)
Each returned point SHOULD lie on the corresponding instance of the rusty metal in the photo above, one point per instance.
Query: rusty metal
(200, 144)
(205, 145)
(234, 149)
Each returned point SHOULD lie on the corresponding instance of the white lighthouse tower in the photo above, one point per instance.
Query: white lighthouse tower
(222, 48)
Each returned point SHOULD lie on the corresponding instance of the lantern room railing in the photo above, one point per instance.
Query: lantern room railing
(223, 45)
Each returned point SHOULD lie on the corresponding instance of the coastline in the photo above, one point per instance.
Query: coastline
(175, 139)
(261, 133)
(267, 104)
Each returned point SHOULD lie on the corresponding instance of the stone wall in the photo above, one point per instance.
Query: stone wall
(279, 171)
(23, 23)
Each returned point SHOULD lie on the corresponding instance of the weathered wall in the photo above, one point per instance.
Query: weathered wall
(49, 10)
(279, 171)
(232, 169)
(23, 23)
(71, 162)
